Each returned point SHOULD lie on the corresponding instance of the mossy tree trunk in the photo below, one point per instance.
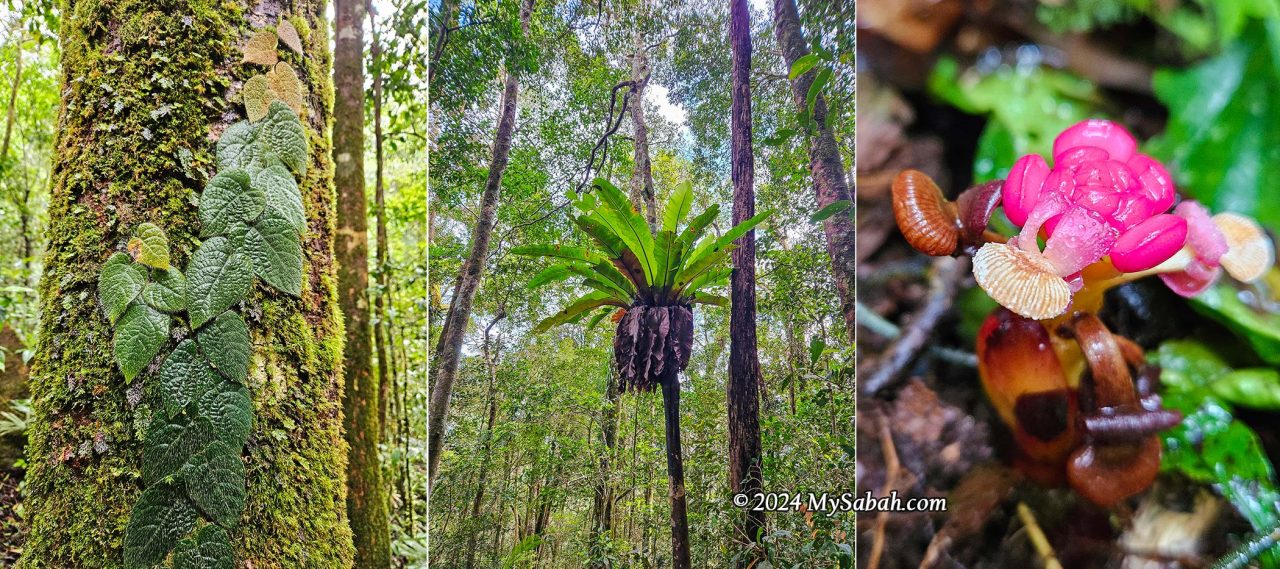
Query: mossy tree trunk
(147, 88)
(366, 496)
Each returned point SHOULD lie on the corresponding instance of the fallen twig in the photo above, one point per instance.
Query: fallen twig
(891, 467)
(948, 271)
(1038, 539)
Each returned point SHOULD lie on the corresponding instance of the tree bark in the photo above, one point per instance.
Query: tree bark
(829, 183)
(602, 501)
(366, 496)
(675, 472)
(11, 112)
(380, 242)
(744, 364)
(112, 171)
(642, 180)
(486, 439)
(449, 348)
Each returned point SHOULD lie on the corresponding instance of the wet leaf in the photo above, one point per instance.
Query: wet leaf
(217, 278)
(139, 335)
(1258, 388)
(119, 284)
(1260, 329)
(226, 343)
(161, 517)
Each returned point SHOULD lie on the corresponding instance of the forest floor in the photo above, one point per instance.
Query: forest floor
(12, 529)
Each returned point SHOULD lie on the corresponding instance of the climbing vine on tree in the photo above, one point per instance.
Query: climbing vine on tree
(252, 218)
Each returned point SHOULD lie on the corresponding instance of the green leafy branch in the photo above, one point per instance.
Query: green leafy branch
(252, 220)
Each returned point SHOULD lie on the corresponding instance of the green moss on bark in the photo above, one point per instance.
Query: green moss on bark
(147, 88)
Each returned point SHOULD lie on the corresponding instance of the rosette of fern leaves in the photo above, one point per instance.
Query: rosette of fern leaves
(648, 280)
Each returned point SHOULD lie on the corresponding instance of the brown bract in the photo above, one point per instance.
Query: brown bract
(925, 217)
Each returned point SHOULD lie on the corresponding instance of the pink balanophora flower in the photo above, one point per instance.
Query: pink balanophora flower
(1104, 200)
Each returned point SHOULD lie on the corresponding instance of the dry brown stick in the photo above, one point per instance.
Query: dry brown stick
(947, 274)
(891, 467)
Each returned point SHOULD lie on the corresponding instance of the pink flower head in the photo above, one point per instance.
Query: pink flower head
(1100, 198)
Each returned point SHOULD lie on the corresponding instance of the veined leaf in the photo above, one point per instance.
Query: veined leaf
(238, 146)
(610, 272)
(576, 308)
(209, 549)
(282, 194)
(229, 409)
(631, 226)
(815, 89)
(218, 277)
(139, 335)
(693, 232)
(602, 234)
(550, 274)
(169, 445)
(282, 133)
(714, 247)
(678, 206)
(704, 263)
(120, 282)
(150, 246)
(597, 317)
(714, 277)
(215, 482)
(708, 298)
(830, 210)
(274, 246)
(662, 255)
(159, 519)
(229, 198)
(226, 343)
(184, 375)
(168, 292)
(801, 65)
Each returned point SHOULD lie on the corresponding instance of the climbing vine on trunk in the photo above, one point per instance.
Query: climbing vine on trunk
(252, 219)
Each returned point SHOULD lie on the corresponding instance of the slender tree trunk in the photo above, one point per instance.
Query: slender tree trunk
(602, 502)
(366, 496)
(744, 365)
(486, 438)
(380, 242)
(642, 193)
(829, 183)
(449, 349)
(11, 112)
(86, 439)
(675, 473)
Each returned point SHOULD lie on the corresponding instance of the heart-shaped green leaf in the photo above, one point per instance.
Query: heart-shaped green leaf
(238, 147)
(160, 518)
(276, 250)
(283, 134)
(228, 407)
(170, 444)
(215, 482)
(226, 343)
(283, 196)
(227, 199)
(184, 375)
(168, 292)
(218, 277)
(120, 282)
(209, 549)
(150, 246)
(140, 334)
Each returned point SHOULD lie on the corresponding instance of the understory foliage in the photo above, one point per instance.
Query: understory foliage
(252, 217)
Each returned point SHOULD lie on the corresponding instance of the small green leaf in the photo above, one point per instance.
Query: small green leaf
(169, 445)
(226, 343)
(1261, 329)
(229, 198)
(803, 64)
(238, 147)
(168, 292)
(820, 82)
(121, 282)
(257, 95)
(228, 407)
(150, 246)
(210, 549)
(831, 209)
(161, 517)
(276, 250)
(283, 134)
(1257, 387)
(217, 278)
(283, 196)
(139, 335)
(184, 375)
(816, 346)
(215, 482)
